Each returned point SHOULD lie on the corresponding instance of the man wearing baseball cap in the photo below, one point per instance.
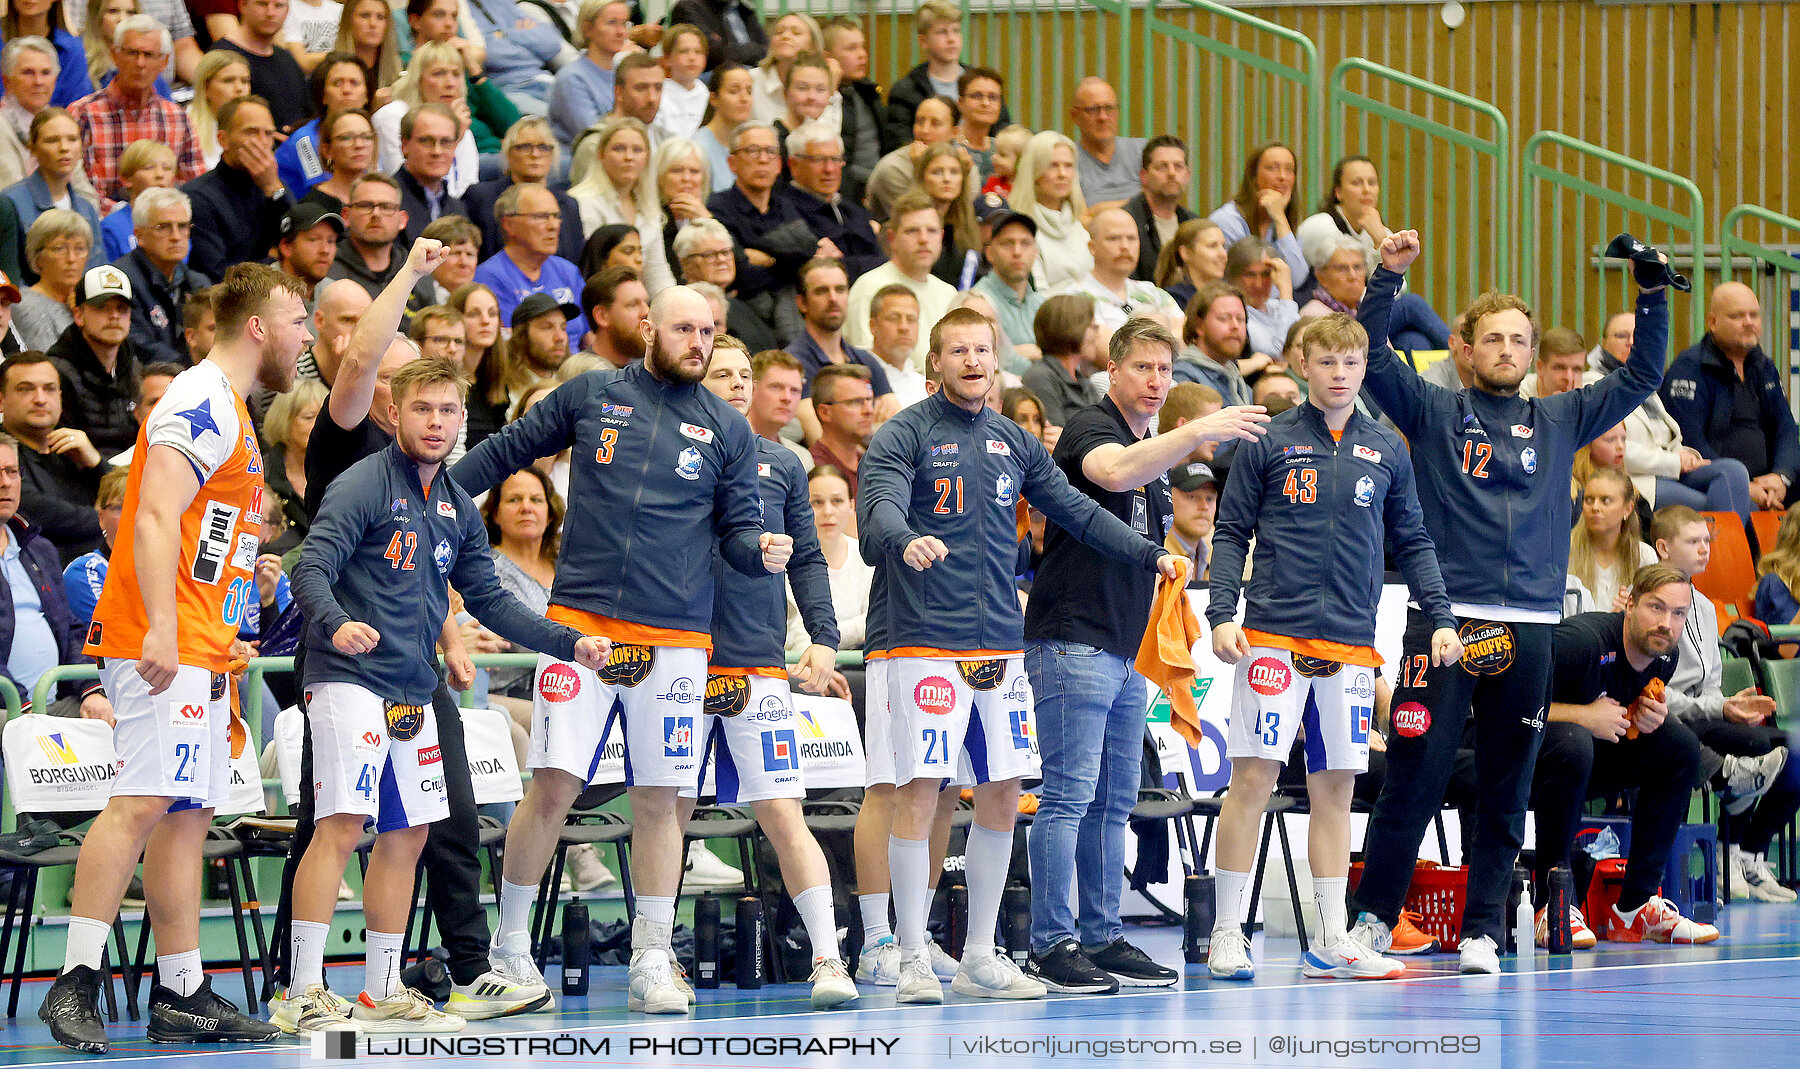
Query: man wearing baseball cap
(540, 339)
(159, 275)
(308, 244)
(1009, 246)
(98, 362)
(1195, 496)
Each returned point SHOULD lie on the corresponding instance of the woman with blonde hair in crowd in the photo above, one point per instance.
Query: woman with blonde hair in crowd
(732, 101)
(1607, 547)
(683, 178)
(1047, 189)
(143, 165)
(57, 247)
(436, 76)
(1778, 588)
(945, 173)
(622, 190)
(347, 143)
(367, 31)
(222, 75)
(1264, 206)
(793, 33)
(287, 430)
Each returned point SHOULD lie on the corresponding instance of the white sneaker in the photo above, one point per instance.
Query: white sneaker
(406, 1012)
(994, 975)
(585, 872)
(1346, 959)
(1757, 879)
(918, 984)
(705, 872)
(1749, 778)
(345, 894)
(1480, 955)
(496, 994)
(1229, 955)
(943, 966)
(652, 987)
(1371, 931)
(511, 959)
(879, 965)
(313, 1010)
(831, 986)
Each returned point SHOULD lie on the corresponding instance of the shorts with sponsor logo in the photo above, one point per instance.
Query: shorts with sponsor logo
(751, 735)
(654, 692)
(170, 745)
(1279, 692)
(374, 758)
(937, 706)
(878, 753)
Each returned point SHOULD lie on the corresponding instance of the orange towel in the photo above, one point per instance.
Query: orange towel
(1166, 656)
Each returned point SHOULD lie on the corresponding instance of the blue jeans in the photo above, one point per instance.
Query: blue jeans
(1722, 486)
(1089, 718)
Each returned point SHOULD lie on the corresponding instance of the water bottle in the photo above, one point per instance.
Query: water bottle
(956, 916)
(749, 943)
(575, 937)
(1524, 925)
(1198, 917)
(706, 941)
(1559, 900)
(1017, 906)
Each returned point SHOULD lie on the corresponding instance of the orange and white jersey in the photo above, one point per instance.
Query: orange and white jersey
(204, 419)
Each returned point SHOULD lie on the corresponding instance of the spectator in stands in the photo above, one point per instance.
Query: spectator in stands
(443, 22)
(55, 143)
(1777, 597)
(616, 303)
(338, 305)
(49, 23)
(778, 381)
(1157, 206)
(824, 303)
(583, 90)
(129, 110)
(436, 77)
(705, 252)
(1607, 545)
(59, 467)
(1255, 268)
(851, 578)
(522, 48)
(684, 95)
(915, 237)
(485, 361)
(530, 154)
(239, 205)
(1047, 189)
(97, 42)
(807, 91)
(1560, 366)
(893, 334)
(1195, 256)
(1011, 253)
(288, 430)
(1195, 496)
(1009, 145)
(531, 221)
(339, 82)
(143, 165)
(1342, 268)
(1456, 371)
(57, 249)
(28, 66)
(99, 363)
(981, 97)
(792, 35)
(934, 123)
(734, 32)
(275, 75)
(1727, 397)
(765, 225)
(681, 174)
(939, 26)
(1067, 332)
(728, 108)
(1109, 166)
(223, 75)
(462, 255)
(367, 32)
(1113, 244)
(945, 174)
(1614, 345)
(308, 245)
(347, 138)
(160, 277)
(372, 222)
(310, 28)
(1743, 755)
(1664, 469)
(1214, 337)
(1264, 206)
(1190, 401)
(524, 520)
(438, 331)
(860, 106)
(86, 574)
(198, 325)
(428, 138)
(622, 190)
(816, 159)
(1274, 388)
(844, 402)
(535, 320)
(1606, 733)
(1351, 206)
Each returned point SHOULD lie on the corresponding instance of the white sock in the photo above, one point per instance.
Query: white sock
(1228, 897)
(86, 942)
(515, 909)
(181, 973)
(654, 924)
(987, 859)
(874, 918)
(820, 919)
(307, 963)
(381, 972)
(909, 880)
(1328, 894)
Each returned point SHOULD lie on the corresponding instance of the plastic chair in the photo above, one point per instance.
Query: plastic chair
(1765, 522)
(1731, 577)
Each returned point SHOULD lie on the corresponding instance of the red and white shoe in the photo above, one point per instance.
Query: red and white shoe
(1659, 922)
(1581, 936)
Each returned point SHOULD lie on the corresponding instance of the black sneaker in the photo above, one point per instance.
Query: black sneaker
(203, 1017)
(1064, 968)
(72, 1010)
(1131, 966)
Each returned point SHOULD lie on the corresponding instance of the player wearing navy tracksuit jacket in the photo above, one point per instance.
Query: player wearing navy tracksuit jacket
(1493, 479)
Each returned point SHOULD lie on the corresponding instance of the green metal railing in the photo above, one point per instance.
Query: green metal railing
(1224, 96)
(1418, 133)
(1584, 212)
(1773, 272)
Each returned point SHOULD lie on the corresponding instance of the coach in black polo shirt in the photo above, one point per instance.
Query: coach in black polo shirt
(1083, 623)
(1603, 663)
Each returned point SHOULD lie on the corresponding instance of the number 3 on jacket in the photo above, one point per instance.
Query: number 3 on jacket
(608, 438)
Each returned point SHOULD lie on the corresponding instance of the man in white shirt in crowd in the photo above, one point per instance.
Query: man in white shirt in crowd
(915, 237)
(893, 334)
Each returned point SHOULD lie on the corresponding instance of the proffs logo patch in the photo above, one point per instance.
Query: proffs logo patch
(1269, 677)
(404, 721)
(628, 666)
(1488, 647)
(727, 695)
(982, 675)
(1316, 667)
(935, 695)
(559, 683)
(1411, 719)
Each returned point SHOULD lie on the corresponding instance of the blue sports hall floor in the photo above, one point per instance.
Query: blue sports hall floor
(1734, 1002)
